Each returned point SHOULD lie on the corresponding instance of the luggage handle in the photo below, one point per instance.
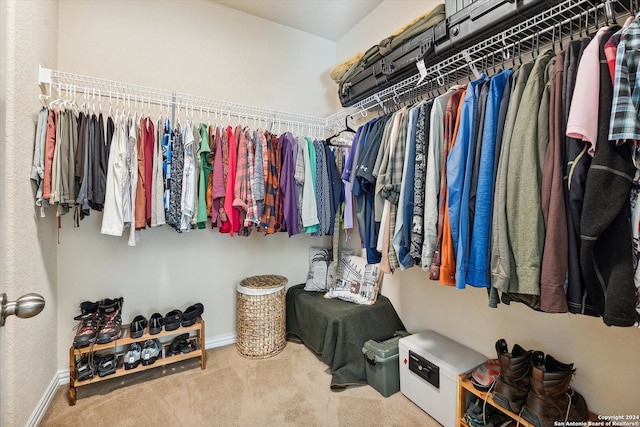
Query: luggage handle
(486, 8)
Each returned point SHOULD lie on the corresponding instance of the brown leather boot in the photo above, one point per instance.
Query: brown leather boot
(513, 383)
(551, 399)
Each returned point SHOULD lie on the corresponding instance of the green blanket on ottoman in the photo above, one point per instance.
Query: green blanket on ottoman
(337, 330)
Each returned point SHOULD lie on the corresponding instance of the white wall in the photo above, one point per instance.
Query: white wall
(199, 48)
(605, 357)
(28, 254)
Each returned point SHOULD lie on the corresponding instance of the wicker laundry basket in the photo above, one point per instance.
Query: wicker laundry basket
(261, 316)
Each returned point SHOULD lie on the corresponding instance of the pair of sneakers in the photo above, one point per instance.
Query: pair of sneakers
(146, 354)
(92, 364)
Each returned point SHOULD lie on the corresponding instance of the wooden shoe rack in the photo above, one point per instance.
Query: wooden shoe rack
(466, 386)
(121, 345)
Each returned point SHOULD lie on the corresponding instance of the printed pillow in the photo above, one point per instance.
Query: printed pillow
(359, 282)
(320, 274)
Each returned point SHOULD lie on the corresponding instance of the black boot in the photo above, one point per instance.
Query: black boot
(513, 383)
(551, 399)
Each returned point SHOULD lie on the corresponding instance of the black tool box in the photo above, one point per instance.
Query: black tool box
(466, 27)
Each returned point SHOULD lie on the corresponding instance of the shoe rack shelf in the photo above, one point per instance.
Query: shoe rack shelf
(466, 386)
(120, 345)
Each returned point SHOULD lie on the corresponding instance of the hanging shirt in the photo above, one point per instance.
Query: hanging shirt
(459, 168)
(157, 181)
(432, 179)
(287, 183)
(132, 167)
(233, 213)
(141, 188)
(177, 165)
(583, 115)
(309, 204)
(49, 150)
(242, 186)
(478, 265)
(416, 232)
(189, 176)
(257, 182)
(525, 224)
(167, 159)
(205, 170)
(37, 166)
(112, 216)
(501, 250)
(323, 195)
(405, 201)
(149, 133)
(85, 176)
(446, 269)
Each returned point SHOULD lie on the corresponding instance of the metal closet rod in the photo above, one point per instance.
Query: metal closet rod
(127, 93)
(458, 66)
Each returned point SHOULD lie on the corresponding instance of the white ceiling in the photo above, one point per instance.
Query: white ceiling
(329, 19)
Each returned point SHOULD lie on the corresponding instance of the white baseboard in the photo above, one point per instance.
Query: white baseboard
(45, 400)
(62, 378)
(220, 341)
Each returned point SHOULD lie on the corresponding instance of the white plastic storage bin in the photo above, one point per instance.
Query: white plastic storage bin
(429, 368)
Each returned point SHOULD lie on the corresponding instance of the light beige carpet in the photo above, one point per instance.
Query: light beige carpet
(289, 389)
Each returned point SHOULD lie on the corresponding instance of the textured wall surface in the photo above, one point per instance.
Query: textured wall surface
(29, 250)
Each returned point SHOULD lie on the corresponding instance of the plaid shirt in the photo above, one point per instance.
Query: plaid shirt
(252, 206)
(624, 124)
(396, 166)
(391, 190)
(269, 216)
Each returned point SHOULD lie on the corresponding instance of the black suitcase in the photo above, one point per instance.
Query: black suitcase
(390, 63)
(395, 67)
(478, 20)
(482, 19)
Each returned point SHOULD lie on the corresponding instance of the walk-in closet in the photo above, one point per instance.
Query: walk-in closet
(226, 99)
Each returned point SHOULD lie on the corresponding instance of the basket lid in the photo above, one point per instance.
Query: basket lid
(266, 281)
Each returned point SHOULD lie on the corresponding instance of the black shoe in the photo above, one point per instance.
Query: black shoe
(191, 314)
(111, 321)
(172, 320)
(107, 365)
(85, 368)
(177, 344)
(150, 352)
(138, 326)
(132, 356)
(155, 323)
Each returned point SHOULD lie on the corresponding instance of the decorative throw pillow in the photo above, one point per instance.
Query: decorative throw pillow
(359, 282)
(320, 274)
